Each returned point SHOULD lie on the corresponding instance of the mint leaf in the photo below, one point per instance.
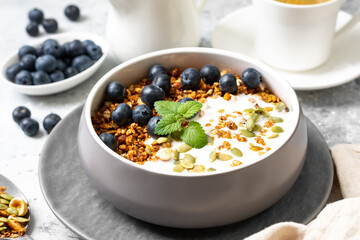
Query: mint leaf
(194, 135)
(168, 124)
(165, 107)
(189, 109)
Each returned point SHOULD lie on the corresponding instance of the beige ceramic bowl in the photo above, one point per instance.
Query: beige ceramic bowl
(200, 200)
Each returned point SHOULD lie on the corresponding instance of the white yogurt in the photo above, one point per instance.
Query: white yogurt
(210, 111)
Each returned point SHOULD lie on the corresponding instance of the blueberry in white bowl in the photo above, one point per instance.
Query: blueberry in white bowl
(63, 57)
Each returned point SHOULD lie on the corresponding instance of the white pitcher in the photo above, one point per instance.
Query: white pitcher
(135, 27)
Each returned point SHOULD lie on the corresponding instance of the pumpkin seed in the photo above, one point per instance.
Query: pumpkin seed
(237, 152)
(162, 140)
(4, 201)
(3, 206)
(261, 153)
(12, 211)
(3, 219)
(186, 163)
(255, 116)
(275, 119)
(257, 128)
(184, 148)
(20, 219)
(148, 150)
(6, 196)
(277, 129)
(210, 140)
(250, 124)
(211, 169)
(178, 168)
(256, 148)
(2, 224)
(268, 109)
(189, 157)
(221, 111)
(176, 154)
(176, 136)
(262, 112)
(164, 154)
(223, 157)
(275, 135)
(197, 169)
(2, 228)
(248, 110)
(177, 162)
(280, 106)
(212, 156)
(247, 133)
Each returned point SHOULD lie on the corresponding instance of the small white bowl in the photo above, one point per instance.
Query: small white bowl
(52, 88)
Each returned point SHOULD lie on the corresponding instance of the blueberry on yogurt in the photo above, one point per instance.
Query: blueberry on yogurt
(122, 114)
(115, 92)
(228, 83)
(150, 94)
(109, 140)
(142, 114)
(210, 74)
(190, 78)
(251, 78)
(162, 81)
(151, 126)
(155, 70)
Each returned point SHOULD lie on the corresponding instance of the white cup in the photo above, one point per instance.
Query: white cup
(297, 37)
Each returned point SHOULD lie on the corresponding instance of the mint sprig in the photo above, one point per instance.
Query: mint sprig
(175, 115)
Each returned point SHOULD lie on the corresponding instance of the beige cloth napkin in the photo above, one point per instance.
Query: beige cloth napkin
(338, 220)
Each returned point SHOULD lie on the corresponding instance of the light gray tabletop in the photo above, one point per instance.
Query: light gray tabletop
(334, 111)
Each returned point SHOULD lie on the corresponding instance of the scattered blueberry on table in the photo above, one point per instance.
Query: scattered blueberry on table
(52, 62)
(50, 122)
(29, 126)
(19, 113)
(72, 12)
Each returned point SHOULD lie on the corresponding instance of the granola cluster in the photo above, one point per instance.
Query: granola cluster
(131, 138)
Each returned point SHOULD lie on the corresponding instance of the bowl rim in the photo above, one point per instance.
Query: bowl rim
(201, 50)
(13, 58)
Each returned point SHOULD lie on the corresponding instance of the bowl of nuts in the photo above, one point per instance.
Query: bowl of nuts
(192, 137)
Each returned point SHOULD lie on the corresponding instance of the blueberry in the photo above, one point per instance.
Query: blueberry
(190, 78)
(23, 78)
(142, 114)
(74, 48)
(32, 29)
(88, 42)
(72, 12)
(152, 93)
(26, 50)
(210, 74)
(50, 41)
(109, 140)
(50, 122)
(28, 62)
(187, 99)
(12, 70)
(29, 126)
(151, 126)
(36, 15)
(40, 50)
(57, 76)
(46, 63)
(50, 25)
(81, 62)
(67, 61)
(228, 83)
(162, 81)
(53, 49)
(94, 52)
(122, 114)
(40, 77)
(70, 71)
(60, 65)
(251, 78)
(115, 92)
(19, 113)
(156, 69)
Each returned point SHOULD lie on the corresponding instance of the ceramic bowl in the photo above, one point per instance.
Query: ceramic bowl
(52, 88)
(201, 200)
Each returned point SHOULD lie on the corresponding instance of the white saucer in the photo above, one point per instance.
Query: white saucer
(235, 32)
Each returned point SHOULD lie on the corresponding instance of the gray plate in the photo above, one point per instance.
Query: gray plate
(79, 206)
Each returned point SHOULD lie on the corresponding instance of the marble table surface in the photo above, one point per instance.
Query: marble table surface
(334, 111)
